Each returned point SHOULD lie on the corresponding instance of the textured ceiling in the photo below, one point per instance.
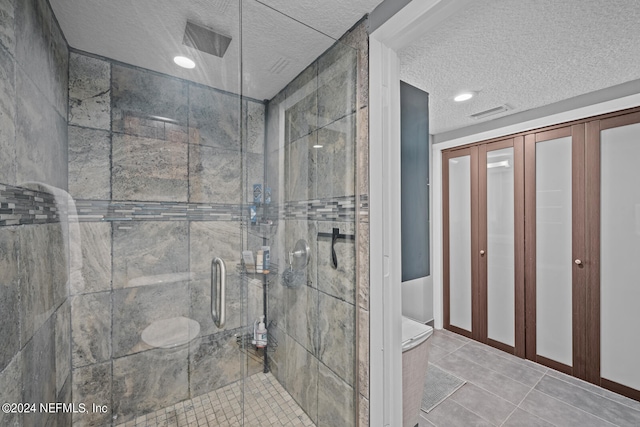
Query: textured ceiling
(526, 54)
(274, 48)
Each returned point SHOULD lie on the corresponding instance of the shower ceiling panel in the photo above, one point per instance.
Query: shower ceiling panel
(149, 33)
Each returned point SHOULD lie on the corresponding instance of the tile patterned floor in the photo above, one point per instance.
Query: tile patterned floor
(503, 390)
(267, 403)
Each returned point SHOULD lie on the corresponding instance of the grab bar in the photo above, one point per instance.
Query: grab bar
(218, 298)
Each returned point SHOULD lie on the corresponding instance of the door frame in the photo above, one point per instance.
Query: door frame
(407, 25)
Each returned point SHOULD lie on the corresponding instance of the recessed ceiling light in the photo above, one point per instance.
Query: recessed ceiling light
(184, 62)
(464, 96)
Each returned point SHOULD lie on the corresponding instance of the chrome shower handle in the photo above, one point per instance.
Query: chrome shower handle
(218, 287)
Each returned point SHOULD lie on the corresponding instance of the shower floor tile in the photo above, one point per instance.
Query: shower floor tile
(266, 403)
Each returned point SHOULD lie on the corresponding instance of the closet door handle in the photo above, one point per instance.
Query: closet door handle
(482, 252)
(578, 262)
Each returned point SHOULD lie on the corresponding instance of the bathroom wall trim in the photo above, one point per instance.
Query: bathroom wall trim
(402, 28)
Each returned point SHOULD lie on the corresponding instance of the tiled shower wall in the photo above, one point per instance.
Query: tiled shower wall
(316, 321)
(155, 169)
(34, 284)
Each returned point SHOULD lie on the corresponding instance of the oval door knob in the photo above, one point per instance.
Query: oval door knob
(482, 252)
(578, 262)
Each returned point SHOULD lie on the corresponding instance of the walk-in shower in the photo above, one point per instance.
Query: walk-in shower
(127, 199)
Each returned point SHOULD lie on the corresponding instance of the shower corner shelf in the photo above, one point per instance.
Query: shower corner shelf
(273, 271)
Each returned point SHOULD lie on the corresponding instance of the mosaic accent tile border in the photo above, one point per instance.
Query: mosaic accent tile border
(21, 206)
(104, 210)
(336, 209)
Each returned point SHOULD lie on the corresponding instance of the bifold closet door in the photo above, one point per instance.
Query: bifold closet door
(460, 204)
(555, 248)
(483, 195)
(501, 242)
(613, 218)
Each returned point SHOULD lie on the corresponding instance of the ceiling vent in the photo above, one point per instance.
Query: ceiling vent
(279, 65)
(491, 112)
(205, 40)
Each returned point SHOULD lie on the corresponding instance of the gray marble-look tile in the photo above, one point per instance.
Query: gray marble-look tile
(336, 159)
(336, 83)
(59, 51)
(7, 112)
(520, 418)
(255, 116)
(11, 390)
(614, 412)
(143, 94)
(300, 169)
(90, 257)
(254, 174)
(511, 367)
(336, 336)
(301, 115)
(216, 360)
(148, 381)
(236, 300)
(487, 405)
(358, 38)
(214, 175)
(302, 316)
(364, 412)
(633, 404)
(210, 239)
(559, 413)
(362, 151)
(89, 163)
(363, 265)
(295, 230)
(93, 384)
(275, 140)
(302, 378)
(339, 282)
(145, 249)
(485, 378)
(7, 33)
(43, 275)
(279, 356)
(363, 352)
(42, 52)
(134, 309)
(214, 118)
(39, 372)
(63, 345)
(274, 176)
(301, 118)
(89, 92)
(149, 169)
(91, 328)
(336, 406)
(9, 294)
(63, 418)
(41, 138)
(452, 414)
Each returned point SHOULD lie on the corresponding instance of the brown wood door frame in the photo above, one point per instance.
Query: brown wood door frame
(517, 143)
(578, 231)
(478, 173)
(472, 152)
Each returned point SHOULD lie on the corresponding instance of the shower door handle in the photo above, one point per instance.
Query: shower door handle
(218, 288)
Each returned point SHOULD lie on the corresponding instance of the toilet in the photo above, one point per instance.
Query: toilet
(415, 357)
